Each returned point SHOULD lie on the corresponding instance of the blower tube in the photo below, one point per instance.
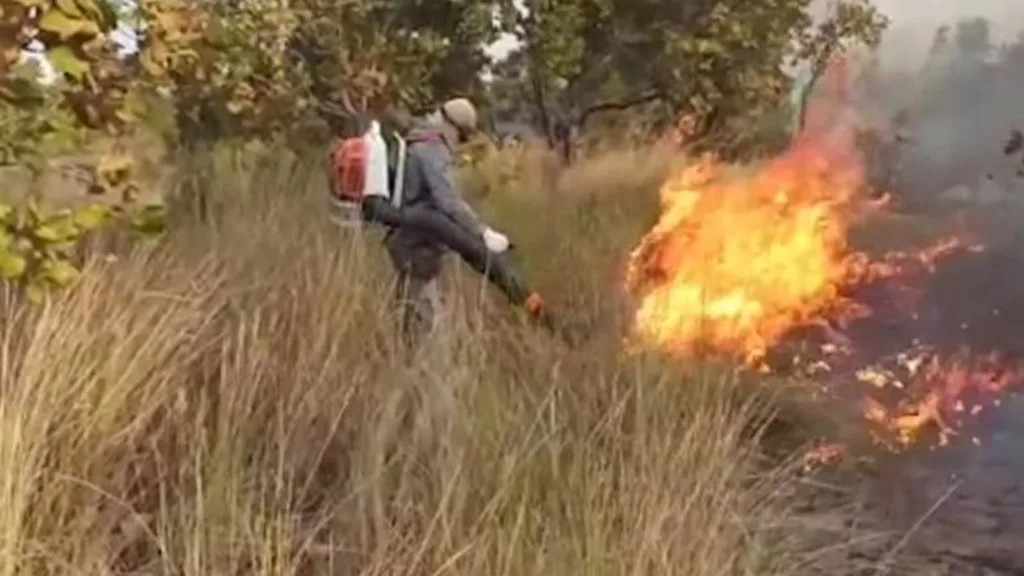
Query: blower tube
(497, 268)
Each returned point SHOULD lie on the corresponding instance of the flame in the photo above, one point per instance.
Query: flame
(738, 259)
(741, 257)
(735, 262)
(937, 393)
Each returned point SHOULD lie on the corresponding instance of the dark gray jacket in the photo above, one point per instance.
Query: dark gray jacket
(429, 174)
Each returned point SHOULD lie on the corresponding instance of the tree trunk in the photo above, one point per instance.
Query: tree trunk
(541, 107)
(567, 131)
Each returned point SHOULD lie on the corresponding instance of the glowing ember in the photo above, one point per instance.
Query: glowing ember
(822, 454)
(935, 394)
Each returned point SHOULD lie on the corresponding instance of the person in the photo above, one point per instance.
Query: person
(429, 187)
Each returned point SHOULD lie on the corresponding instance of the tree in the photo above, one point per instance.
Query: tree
(94, 93)
(960, 108)
(848, 24)
(368, 55)
(229, 74)
(462, 29)
(258, 69)
(974, 37)
(1013, 55)
(720, 62)
(360, 57)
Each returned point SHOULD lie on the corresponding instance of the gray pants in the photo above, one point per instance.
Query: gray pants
(417, 261)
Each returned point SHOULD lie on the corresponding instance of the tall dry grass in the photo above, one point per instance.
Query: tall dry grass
(230, 401)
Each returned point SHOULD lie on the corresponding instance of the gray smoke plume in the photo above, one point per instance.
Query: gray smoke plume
(950, 77)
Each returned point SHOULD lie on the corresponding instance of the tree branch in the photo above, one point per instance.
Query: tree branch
(620, 105)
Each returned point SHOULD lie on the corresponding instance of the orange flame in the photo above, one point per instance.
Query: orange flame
(737, 261)
(936, 394)
(740, 257)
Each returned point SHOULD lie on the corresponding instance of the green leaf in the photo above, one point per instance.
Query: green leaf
(65, 27)
(60, 272)
(92, 216)
(12, 265)
(65, 61)
(106, 13)
(98, 11)
(55, 231)
(70, 7)
(22, 86)
(46, 234)
(36, 292)
(150, 221)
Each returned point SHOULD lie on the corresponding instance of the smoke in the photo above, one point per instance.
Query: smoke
(913, 24)
(962, 103)
(949, 82)
(954, 94)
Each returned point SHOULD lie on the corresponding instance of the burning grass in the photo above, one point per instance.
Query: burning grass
(230, 402)
(742, 263)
